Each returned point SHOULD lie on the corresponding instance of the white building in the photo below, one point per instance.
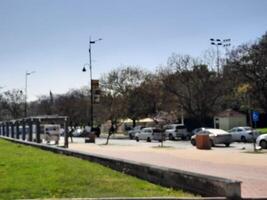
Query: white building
(229, 119)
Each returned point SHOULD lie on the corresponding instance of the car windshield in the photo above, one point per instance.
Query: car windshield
(248, 128)
(180, 127)
(137, 128)
(170, 127)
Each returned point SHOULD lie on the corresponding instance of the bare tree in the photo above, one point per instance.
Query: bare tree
(196, 87)
(118, 86)
(12, 103)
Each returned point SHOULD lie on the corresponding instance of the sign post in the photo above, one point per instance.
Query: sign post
(255, 118)
(96, 91)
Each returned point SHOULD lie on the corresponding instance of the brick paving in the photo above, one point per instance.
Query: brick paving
(249, 168)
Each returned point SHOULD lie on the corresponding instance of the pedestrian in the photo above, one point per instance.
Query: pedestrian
(71, 134)
(110, 132)
(97, 131)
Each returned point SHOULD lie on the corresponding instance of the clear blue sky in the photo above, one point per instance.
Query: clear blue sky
(51, 36)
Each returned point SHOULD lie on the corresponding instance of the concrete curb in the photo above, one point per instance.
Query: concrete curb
(204, 185)
(140, 198)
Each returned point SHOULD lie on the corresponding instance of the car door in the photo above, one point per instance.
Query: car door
(142, 134)
(240, 132)
(147, 134)
(235, 134)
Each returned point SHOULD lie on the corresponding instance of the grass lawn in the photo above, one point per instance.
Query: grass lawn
(262, 130)
(27, 172)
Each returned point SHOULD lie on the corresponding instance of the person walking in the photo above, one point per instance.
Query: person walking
(110, 132)
(71, 134)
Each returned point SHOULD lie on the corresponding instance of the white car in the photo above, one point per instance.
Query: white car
(243, 134)
(262, 141)
(135, 130)
(175, 131)
(149, 134)
(77, 132)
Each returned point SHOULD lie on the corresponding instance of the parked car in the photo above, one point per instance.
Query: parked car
(158, 134)
(133, 132)
(149, 134)
(78, 132)
(195, 131)
(175, 131)
(243, 134)
(262, 141)
(217, 136)
(62, 131)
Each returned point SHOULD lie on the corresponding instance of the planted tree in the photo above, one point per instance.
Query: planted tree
(197, 88)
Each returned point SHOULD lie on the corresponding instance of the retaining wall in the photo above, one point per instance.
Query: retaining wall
(204, 185)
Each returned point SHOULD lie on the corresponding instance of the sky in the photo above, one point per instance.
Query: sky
(51, 37)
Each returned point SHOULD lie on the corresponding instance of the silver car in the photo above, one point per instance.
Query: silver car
(149, 134)
(262, 141)
(243, 134)
(217, 136)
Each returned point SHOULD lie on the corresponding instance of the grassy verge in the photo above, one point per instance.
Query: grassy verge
(262, 130)
(27, 172)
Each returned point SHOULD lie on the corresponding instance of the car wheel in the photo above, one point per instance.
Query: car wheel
(243, 139)
(263, 144)
(171, 137)
(212, 143)
(148, 139)
(183, 137)
(193, 142)
(131, 137)
(227, 144)
(137, 139)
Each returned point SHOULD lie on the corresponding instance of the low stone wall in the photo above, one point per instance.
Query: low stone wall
(204, 185)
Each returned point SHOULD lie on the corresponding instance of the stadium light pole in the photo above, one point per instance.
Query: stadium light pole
(226, 44)
(91, 76)
(217, 43)
(26, 90)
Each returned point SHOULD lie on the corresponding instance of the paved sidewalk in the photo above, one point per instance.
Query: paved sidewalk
(249, 168)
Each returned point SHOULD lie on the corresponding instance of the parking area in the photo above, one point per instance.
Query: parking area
(178, 144)
(234, 162)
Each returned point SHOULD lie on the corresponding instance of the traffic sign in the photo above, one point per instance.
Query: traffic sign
(95, 84)
(255, 116)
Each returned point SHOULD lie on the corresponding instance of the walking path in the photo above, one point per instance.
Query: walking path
(249, 168)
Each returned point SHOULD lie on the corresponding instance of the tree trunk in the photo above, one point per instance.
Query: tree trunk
(134, 122)
(109, 134)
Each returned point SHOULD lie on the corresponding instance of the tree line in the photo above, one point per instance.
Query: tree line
(185, 84)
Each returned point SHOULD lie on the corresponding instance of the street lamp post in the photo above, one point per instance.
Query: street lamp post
(26, 88)
(91, 77)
